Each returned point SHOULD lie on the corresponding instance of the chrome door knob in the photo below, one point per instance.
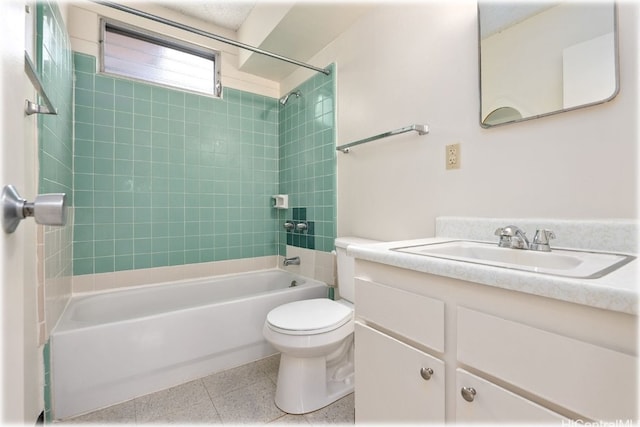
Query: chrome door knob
(468, 393)
(47, 209)
(426, 373)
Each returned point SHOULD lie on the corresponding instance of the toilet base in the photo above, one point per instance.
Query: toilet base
(310, 383)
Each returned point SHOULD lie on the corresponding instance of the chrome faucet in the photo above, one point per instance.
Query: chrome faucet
(292, 261)
(541, 240)
(512, 237)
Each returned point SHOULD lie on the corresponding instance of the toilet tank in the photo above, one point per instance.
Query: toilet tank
(345, 265)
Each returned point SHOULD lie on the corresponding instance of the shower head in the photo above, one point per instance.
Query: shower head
(285, 98)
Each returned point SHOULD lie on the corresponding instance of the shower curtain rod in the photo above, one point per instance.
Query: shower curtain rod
(209, 35)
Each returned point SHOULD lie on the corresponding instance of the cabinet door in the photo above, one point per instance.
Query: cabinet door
(488, 403)
(390, 386)
(595, 382)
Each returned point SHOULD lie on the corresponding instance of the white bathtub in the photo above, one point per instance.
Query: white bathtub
(114, 346)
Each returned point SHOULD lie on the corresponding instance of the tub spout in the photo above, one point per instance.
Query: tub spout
(292, 261)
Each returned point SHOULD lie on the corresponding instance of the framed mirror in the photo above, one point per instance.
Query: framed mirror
(542, 58)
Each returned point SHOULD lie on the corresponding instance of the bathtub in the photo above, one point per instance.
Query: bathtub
(114, 346)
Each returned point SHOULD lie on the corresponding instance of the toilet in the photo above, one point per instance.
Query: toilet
(315, 338)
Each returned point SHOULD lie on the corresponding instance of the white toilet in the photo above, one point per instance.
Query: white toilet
(315, 338)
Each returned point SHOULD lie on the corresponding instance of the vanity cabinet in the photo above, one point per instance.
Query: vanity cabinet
(497, 355)
(402, 383)
(595, 382)
(481, 401)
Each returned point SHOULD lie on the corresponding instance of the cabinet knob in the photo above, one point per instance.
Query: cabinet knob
(468, 393)
(426, 373)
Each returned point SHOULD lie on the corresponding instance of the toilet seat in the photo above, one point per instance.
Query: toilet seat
(309, 317)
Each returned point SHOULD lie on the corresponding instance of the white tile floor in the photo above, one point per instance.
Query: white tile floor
(242, 395)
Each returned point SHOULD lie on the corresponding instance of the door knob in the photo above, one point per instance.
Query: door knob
(47, 209)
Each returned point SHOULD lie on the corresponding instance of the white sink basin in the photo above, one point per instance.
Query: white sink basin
(559, 262)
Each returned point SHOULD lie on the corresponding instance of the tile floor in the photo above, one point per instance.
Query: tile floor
(242, 395)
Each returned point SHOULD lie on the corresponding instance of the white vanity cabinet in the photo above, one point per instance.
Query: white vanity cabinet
(497, 355)
(594, 382)
(402, 383)
(399, 382)
(481, 401)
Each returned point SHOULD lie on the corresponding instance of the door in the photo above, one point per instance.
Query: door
(21, 357)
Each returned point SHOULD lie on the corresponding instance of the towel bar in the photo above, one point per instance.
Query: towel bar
(421, 129)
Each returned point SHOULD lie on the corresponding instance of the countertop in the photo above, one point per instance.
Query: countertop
(616, 291)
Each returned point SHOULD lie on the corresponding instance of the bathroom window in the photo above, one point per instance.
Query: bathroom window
(140, 54)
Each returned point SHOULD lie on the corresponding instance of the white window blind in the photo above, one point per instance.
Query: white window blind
(142, 55)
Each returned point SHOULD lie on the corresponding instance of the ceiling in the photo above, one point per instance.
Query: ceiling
(297, 30)
(229, 14)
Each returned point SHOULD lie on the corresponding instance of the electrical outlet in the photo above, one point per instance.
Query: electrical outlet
(452, 158)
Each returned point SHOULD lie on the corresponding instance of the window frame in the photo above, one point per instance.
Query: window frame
(164, 41)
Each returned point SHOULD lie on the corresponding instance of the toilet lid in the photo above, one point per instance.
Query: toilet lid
(312, 316)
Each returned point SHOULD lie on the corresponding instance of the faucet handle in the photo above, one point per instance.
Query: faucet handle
(513, 237)
(505, 237)
(541, 240)
(543, 235)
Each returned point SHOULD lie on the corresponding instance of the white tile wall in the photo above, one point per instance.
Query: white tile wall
(148, 276)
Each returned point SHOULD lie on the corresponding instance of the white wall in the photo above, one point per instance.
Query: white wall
(418, 63)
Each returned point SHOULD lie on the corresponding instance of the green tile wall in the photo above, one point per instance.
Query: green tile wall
(164, 177)
(55, 132)
(307, 155)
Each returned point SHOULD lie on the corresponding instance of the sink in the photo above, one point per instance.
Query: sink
(558, 262)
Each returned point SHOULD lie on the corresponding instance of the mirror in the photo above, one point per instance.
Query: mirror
(542, 58)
